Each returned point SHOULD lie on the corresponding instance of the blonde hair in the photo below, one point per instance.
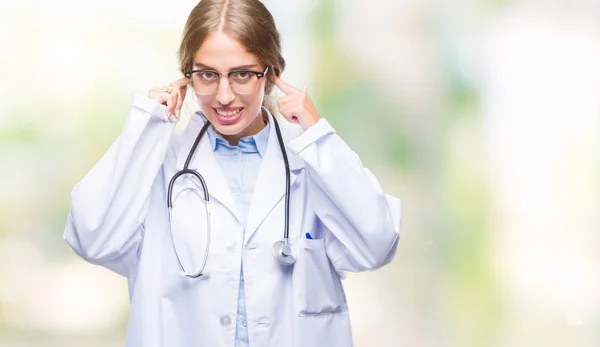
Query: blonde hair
(247, 21)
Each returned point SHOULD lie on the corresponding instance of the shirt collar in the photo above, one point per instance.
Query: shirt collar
(256, 142)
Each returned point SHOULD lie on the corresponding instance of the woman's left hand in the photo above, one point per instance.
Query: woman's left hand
(296, 106)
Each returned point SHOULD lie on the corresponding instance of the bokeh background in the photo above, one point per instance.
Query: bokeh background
(483, 116)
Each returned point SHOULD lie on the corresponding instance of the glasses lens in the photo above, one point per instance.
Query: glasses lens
(243, 82)
(205, 82)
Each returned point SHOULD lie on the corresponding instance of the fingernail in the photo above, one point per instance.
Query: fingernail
(177, 113)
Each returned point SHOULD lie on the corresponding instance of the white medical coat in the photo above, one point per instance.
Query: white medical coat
(119, 220)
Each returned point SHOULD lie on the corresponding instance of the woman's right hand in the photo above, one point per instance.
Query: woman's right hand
(174, 99)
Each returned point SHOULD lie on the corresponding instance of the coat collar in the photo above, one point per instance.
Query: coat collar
(257, 142)
(269, 188)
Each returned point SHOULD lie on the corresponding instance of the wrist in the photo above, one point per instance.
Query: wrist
(309, 122)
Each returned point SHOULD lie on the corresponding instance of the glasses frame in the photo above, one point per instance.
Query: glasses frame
(258, 75)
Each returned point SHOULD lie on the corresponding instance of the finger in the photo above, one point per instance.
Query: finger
(285, 87)
(291, 106)
(290, 113)
(305, 89)
(171, 103)
(163, 97)
(291, 117)
(174, 97)
(286, 100)
(168, 106)
(180, 98)
(294, 99)
(182, 82)
(158, 94)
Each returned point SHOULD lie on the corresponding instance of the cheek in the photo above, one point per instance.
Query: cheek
(260, 95)
(204, 101)
(253, 101)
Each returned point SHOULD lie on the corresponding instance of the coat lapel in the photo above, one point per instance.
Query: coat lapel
(206, 164)
(270, 183)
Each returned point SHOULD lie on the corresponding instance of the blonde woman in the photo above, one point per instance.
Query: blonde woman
(238, 230)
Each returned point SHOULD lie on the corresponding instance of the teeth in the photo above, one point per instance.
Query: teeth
(229, 113)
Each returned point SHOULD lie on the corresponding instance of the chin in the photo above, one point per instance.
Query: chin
(230, 129)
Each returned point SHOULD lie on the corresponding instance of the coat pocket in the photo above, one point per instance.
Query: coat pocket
(318, 286)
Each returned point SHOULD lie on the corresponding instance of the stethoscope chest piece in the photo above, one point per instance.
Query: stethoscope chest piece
(284, 252)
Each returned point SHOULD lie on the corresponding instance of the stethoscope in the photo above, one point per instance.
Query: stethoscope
(282, 250)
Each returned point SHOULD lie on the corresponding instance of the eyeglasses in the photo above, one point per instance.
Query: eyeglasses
(206, 82)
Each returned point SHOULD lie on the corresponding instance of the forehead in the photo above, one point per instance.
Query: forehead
(223, 52)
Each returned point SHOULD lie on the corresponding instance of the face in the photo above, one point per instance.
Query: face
(232, 115)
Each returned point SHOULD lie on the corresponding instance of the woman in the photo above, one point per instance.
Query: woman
(237, 288)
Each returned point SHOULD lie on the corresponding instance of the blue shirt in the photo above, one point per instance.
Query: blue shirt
(240, 165)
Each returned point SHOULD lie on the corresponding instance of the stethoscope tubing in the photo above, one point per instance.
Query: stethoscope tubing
(187, 171)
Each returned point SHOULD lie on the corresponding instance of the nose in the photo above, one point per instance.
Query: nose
(225, 95)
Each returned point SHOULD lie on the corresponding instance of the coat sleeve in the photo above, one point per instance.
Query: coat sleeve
(108, 206)
(362, 222)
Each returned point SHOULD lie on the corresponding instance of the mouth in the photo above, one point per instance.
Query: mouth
(229, 116)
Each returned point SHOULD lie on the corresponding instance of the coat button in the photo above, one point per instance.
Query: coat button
(230, 245)
(225, 320)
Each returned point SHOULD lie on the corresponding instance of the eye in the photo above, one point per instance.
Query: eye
(207, 76)
(241, 76)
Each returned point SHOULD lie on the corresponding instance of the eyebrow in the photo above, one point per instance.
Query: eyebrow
(235, 68)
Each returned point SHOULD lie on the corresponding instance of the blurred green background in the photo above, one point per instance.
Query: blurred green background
(482, 116)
